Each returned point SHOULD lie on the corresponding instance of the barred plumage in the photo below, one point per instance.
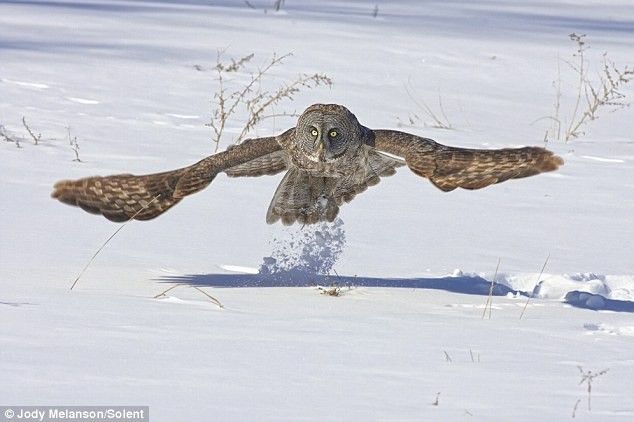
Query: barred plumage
(330, 158)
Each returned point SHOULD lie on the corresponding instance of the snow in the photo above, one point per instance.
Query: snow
(414, 264)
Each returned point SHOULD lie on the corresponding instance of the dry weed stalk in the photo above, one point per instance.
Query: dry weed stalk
(164, 292)
(36, 139)
(252, 97)
(103, 245)
(588, 377)
(472, 356)
(536, 284)
(591, 96)
(436, 402)
(440, 119)
(278, 5)
(4, 134)
(574, 409)
(213, 299)
(489, 302)
(72, 140)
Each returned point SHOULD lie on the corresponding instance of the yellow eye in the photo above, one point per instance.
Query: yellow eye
(314, 132)
(333, 134)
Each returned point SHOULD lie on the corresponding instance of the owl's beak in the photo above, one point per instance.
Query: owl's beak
(321, 150)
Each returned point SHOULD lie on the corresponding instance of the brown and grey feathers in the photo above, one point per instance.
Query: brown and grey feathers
(377, 166)
(121, 197)
(313, 188)
(308, 199)
(304, 198)
(125, 196)
(476, 169)
(199, 175)
(449, 168)
(268, 164)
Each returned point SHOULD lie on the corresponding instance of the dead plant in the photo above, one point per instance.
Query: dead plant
(592, 95)
(8, 137)
(251, 96)
(587, 377)
(439, 119)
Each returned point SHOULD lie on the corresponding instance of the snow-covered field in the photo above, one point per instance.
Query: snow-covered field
(133, 81)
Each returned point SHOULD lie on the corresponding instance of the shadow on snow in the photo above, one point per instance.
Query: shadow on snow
(597, 302)
(472, 285)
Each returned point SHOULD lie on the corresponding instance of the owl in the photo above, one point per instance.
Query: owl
(328, 157)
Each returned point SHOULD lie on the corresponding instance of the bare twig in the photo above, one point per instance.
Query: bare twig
(447, 357)
(435, 402)
(251, 96)
(489, 302)
(536, 284)
(591, 95)
(581, 48)
(165, 291)
(4, 134)
(278, 5)
(223, 111)
(282, 114)
(439, 122)
(36, 139)
(110, 238)
(262, 101)
(213, 299)
(574, 409)
(588, 377)
(72, 140)
(556, 120)
(442, 111)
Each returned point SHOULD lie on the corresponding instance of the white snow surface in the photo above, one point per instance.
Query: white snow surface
(133, 81)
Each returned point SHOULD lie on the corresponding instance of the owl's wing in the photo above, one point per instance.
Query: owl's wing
(268, 164)
(125, 196)
(449, 168)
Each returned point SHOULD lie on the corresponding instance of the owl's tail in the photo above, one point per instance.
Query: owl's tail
(303, 198)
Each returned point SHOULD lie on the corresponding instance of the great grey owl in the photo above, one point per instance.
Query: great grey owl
(328, 158)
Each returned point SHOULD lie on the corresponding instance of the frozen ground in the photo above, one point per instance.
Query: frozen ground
(121, 74)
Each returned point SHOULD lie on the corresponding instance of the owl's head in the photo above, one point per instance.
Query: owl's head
(328, 132)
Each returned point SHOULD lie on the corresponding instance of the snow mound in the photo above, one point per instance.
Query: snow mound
(597, 302)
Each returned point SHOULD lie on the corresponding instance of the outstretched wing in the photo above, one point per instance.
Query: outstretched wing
(449, 168)
(125, 196)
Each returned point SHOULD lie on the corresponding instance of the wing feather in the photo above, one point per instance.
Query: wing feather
(268, 164)
(449, 168)
(125, 196)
